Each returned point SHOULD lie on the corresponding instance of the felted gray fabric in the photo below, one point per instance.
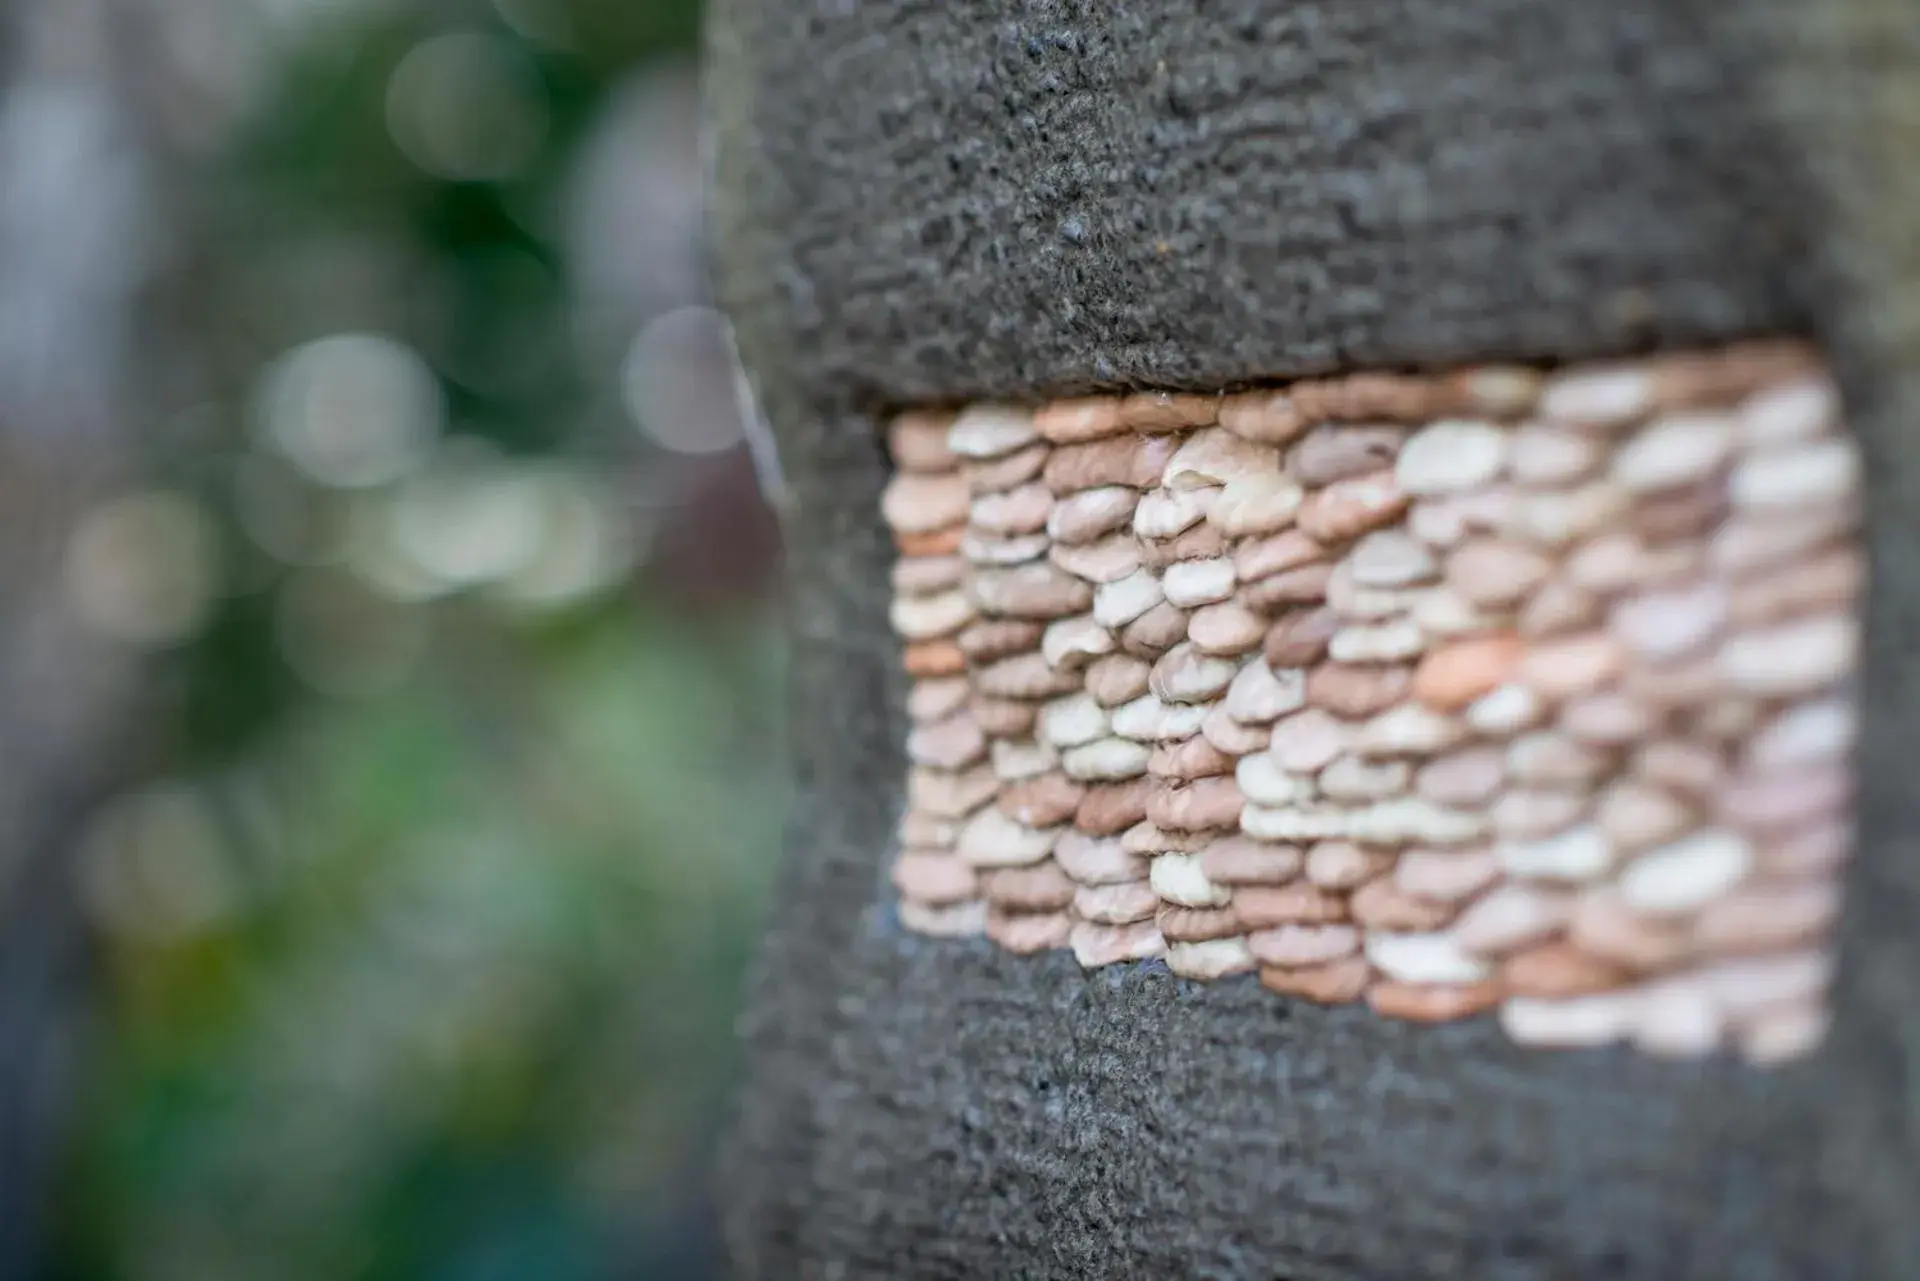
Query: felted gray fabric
(928, 202)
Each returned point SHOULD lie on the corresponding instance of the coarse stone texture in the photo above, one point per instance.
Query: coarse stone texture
(928, 1107)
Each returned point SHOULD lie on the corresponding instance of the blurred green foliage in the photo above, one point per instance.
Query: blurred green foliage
(311, 196)
(473, 1011)
(437, 980)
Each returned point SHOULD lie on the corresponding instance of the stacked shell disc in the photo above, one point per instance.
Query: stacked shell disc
(1503, 689)
(948, 779)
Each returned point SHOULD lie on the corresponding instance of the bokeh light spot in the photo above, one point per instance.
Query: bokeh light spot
(679, 385)
(467, 107)
(468, 518)
(352, 410)
(153, 865)
(579, 550)
(143, 569)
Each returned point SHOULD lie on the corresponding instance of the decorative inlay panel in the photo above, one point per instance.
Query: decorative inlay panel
(1504, 689)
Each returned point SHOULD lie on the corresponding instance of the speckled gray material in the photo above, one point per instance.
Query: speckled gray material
(931, 201)
(936, 201)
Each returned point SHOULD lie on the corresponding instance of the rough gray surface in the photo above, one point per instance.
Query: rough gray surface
(933, 200)
(929, 201)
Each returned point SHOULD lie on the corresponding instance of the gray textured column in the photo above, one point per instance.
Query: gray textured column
(929, 201)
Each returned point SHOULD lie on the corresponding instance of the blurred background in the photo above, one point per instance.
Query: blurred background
(358, 387)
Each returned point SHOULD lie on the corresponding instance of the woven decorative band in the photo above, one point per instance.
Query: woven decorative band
(1502, 689)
